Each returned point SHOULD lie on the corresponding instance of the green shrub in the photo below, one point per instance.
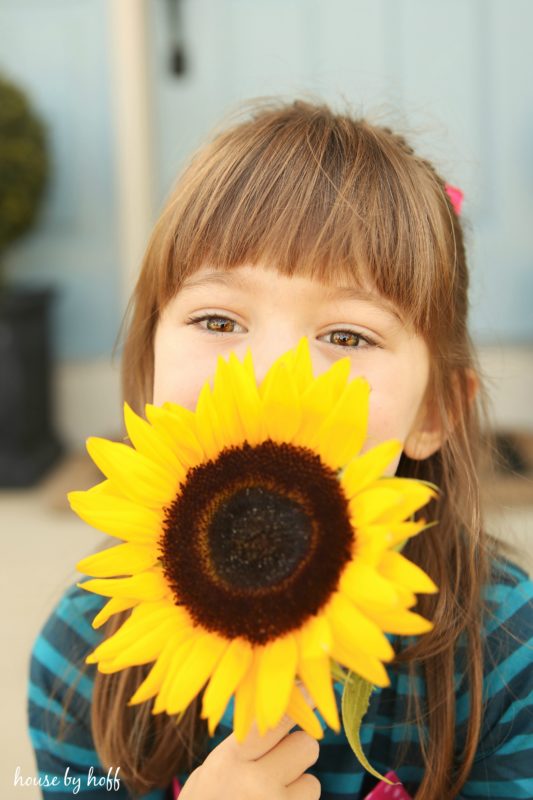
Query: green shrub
(23, 163)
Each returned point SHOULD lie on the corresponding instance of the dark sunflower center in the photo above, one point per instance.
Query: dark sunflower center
(258, 538)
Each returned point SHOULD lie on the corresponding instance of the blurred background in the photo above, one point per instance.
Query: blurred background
(101, 102)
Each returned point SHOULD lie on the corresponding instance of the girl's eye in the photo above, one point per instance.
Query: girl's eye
(349, 339)
(215, 323)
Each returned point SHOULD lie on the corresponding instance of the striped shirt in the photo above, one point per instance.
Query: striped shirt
(503, 767)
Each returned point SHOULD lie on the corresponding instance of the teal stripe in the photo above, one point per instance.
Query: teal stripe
(405, 683)
(512, 602)
(518, 789)
(52, 660)
(68, 753)
(86, 601)
(497, 592)
(37, 696)
(504, 672)
(79, 624)
(514, 571)
(410, 774)
(518, 744)
(517, 707)
(462, 708)
(341, 782)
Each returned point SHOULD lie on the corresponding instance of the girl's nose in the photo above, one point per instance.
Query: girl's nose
(265, 355)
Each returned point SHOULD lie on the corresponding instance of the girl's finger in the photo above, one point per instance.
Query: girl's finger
(291, 757)
(255, 746)
(305, 788)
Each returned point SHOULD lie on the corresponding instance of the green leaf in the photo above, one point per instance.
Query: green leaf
(355, 702)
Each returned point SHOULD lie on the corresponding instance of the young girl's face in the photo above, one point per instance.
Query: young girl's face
(219, 311)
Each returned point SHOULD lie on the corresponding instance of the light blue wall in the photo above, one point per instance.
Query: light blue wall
(459, 75)
(58, 51)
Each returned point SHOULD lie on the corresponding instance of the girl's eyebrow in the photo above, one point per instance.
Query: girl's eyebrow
(225, 278)
(231, 279)
(358, 293)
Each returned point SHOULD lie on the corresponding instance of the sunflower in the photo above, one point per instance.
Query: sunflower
(259, 546)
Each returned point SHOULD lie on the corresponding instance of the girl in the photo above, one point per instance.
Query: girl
(298, 222)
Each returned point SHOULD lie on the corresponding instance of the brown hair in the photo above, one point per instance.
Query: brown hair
(329, 196)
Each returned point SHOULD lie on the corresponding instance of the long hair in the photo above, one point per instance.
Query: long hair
(338, 199)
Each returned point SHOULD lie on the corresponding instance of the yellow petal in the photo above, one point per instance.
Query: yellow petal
(362, 664)
(178, 657)
(178, 425)
(150, 442)
(342, 433)
(154, 680)
(226, 405)
(414, 495)
(314, 637)
(399, 569)
(299, 362)
(195, 670)
(226, 677)
(370, 466)
(359, 581)
(316, 675)
(248, 364)
(113, 606)
(140, 478)
(281, 408)
(371, 541)
(277, 670)
(301, 713)
(117, 516)
(401, 531)
(207, 424)
(144, 617)
(149, 585)
(318, 399)
(124, 559)
(373, 503)
(403, 622)
(144, 649)
(245, 695)
(248, 401)
(353, 628)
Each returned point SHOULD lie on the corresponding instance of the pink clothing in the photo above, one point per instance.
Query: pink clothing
(385, 791)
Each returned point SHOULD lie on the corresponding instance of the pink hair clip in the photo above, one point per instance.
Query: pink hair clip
(456, 196)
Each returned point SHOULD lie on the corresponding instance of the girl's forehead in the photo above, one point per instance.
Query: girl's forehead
(247, 276)
(251, 279)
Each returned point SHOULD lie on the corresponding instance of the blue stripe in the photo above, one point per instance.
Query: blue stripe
(341, 782)
(517, 706)
(69, 753)
(504, 672)
(518, 744)
(82, 627)
(49, 657)
(37, 696)
(518, 789)
(519, 599)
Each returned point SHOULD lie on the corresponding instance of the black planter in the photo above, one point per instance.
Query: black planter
(28, 445)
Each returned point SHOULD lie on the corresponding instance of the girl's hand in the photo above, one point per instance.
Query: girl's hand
(269, 767)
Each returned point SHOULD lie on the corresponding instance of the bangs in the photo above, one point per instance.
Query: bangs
(321, 196)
